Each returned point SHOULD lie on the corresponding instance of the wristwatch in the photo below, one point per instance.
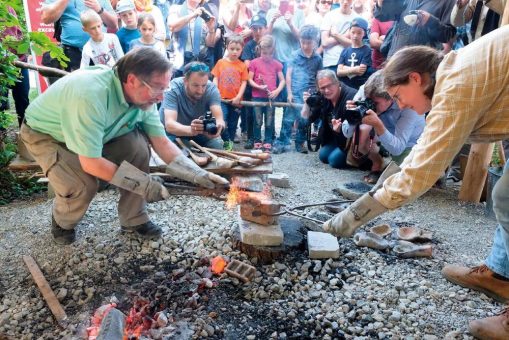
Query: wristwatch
(101, 10)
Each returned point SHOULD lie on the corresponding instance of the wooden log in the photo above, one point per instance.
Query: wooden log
(476, 172)
(293, 231)
(46, 71)
(46, 291)
(262, 104)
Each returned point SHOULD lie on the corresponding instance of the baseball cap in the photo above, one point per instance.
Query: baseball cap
(361, 23)
(124, 5)
(258, 20)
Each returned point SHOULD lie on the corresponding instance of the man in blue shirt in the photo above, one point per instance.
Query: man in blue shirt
(73, 37)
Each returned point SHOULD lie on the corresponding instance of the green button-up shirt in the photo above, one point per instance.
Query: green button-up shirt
(86, 109)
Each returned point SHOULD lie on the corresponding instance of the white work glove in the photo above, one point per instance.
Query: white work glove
(363, 210)
(130, 178)
(184, 168)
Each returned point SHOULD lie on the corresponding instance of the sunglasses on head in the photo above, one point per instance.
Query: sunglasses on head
(326, 2)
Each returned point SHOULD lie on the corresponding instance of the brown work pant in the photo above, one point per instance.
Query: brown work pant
(75, 189)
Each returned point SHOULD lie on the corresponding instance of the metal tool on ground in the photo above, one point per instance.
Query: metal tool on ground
(242, 160)
(200, 160)
(220, 162)
(46, 291)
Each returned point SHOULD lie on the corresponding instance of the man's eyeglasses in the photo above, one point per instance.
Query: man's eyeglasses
(326, 2)
(153, 91)
(325, 87)
(395, 96)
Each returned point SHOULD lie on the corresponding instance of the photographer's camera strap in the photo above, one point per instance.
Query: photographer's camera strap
(355, 143)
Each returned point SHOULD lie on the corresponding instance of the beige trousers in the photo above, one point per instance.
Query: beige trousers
(75, 189)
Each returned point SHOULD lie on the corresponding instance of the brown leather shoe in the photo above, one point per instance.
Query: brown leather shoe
(493, 328)
(479, 278)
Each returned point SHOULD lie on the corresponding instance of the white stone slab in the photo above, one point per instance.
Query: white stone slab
(322, 245)
(260, 235)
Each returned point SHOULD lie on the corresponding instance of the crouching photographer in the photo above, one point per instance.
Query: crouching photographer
(329, 105)
(191, 109)
(379, 128)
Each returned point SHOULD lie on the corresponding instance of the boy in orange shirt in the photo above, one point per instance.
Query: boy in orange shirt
(230, 76)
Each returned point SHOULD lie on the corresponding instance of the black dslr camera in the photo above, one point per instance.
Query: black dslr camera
(209, 123)
(354, 116)
(316, 101)
(205, 15)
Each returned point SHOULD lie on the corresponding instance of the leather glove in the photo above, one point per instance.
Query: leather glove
(360, 212)
(130, 178)
(184, 168)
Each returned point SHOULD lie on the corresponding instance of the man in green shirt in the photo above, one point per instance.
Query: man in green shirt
(99, 123)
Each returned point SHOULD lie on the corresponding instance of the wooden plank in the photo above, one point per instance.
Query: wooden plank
(21, 164)
(46, 291)
(476, 172)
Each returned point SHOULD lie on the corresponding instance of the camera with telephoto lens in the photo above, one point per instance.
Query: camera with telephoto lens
(209, 123)
(205, 15)
(354, 116)
(316, 101)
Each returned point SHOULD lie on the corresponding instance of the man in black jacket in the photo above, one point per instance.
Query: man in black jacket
(329, 107)
(417, 22)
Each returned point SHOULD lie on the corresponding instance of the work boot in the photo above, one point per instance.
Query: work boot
(493, 328)
(146, 230)
(62, 236)
(479, 278)
(301, 148)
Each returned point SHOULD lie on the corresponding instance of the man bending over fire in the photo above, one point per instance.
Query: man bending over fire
(99, 123)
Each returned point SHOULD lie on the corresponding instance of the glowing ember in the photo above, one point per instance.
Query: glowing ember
(217, 265)
(239, 196)
(100, 313)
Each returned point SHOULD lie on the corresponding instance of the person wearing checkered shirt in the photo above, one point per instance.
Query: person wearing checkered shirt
(466, 94)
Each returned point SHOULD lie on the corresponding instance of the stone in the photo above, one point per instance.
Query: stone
(249, 183)
(322, 245)
(279, 179)
(260, 235)
(353, 190)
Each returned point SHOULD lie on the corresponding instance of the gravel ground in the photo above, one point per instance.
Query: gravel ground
(363, 294)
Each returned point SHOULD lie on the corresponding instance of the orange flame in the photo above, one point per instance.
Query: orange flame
(217, 265)
(237, 195)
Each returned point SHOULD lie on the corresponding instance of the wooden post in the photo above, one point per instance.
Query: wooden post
(46, 291)
(476, 172)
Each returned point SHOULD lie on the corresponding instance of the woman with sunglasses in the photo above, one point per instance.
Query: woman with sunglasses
(467, 96)
(315, 16)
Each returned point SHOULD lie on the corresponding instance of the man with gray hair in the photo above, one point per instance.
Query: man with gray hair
(329, 105)
(80, 133)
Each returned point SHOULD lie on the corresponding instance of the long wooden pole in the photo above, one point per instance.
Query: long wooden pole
(47, 71)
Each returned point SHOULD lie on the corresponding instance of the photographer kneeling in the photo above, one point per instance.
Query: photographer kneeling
(329, 105)
(388, 130)
(191, 109)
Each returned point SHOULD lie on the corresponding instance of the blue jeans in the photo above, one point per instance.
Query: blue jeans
(263, 114)
(332, 155)
(231, 116)
(290, 115)
(498, 260)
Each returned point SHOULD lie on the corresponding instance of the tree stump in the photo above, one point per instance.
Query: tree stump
(294, 232)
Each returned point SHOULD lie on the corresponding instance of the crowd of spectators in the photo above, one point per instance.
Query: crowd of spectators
(267, 52)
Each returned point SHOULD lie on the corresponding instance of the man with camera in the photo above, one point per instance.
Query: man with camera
(377, 120)
(195, 33)
(191, 109)
(329, 104)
